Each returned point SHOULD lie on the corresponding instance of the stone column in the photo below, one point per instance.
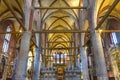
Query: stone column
(36, 70)
(84, 63)
(76, 56)
(70, 56)
(43, 58)
(74, 53)
(83, 26)
(101, 70)
(23, 56)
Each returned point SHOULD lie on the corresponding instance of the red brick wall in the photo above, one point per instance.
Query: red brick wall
(12, 43)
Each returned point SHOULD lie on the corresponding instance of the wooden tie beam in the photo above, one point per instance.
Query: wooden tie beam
(61, 31)
(61, 42)
(60, 7)
(108, 31)
(61, 48)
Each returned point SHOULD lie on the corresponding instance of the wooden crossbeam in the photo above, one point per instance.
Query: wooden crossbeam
(107, 31)
(61, 31)
(61, 7)
(61, 48)
(61, 42)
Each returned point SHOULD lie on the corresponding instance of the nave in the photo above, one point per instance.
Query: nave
(59, 39)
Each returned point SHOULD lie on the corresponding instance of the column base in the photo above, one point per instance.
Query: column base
(86, 79)
(102, 78)
(20, 78)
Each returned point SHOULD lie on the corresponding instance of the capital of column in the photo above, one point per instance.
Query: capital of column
(95, 31)
(29, 32)
(101, 74)
(26, 33)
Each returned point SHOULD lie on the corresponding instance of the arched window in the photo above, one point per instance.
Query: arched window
(113, 24)
(59, 58)
(30, 60)
(6, 40)
(115, 41)
(114, 38)
(62, 56)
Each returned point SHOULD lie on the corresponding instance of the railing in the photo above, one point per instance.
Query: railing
(48, 70)
(68, 73)
(74, 69)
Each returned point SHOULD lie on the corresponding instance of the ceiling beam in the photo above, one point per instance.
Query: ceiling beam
(107, 13)
(61, 48)
(62, 31)
(50, 31)
(12, 32)
(73, 31)
(61, 7)
(60, 42)
(108, 31)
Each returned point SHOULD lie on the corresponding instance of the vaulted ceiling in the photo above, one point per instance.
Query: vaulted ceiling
(60, 19)
(103, 6)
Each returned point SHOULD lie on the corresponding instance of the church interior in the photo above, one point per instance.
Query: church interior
(59, 39)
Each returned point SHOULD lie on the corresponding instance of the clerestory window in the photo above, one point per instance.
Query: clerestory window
(6, 40)
(115, 38)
